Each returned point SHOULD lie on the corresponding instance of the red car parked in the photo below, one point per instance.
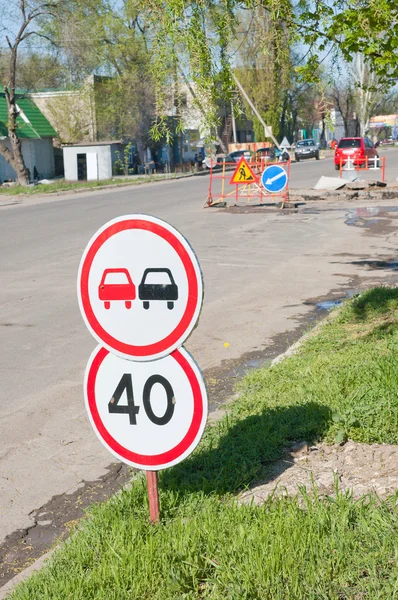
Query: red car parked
(116, 284)
(356, 149)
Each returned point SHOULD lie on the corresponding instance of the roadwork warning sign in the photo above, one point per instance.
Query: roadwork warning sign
(243, 173)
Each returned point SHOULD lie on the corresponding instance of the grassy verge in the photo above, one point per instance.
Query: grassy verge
(342, 383)
(64, 186)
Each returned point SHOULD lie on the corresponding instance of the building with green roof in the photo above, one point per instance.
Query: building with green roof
(36, 135)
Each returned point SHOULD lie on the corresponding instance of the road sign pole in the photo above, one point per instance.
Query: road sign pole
(153, 496)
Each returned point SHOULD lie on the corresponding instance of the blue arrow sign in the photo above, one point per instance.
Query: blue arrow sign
(274, 179)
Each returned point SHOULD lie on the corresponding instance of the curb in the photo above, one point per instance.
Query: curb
(104, 187)
(8, 588)
(293, 349)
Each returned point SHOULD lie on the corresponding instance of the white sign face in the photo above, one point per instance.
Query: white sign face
(140, 287)
(149, 415)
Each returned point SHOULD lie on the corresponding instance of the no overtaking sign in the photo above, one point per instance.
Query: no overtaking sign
(139, 287)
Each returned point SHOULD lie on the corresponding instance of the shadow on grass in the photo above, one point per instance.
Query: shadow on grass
(235, 453)
(376, 301)
(380, 332)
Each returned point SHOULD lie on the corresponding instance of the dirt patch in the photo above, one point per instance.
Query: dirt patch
(360, 468)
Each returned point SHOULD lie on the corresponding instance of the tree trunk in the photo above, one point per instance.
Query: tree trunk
(14, 158)
(365, 80)
(322, 140)
(346, 127)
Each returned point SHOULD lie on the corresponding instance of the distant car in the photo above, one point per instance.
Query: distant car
(158, 284)
(215, 162)
(306, 149)
(116, 285)
(237, 155)
(210, 162)
(267, 154)
(356, 149)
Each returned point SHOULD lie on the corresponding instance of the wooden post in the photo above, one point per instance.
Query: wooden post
(153, 495)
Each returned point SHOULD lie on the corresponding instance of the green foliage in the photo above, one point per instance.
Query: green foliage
(121, 165)
(153, 46)
(369, 28)
(150, 47)
(109, 39)
(353, 26)
(264, 68)
(35, 71)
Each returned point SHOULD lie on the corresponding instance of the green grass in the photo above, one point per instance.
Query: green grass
(348, 374)
(64, 186)
(342, 383)
(333, 549)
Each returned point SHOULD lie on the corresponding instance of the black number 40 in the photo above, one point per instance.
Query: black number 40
(126, 385)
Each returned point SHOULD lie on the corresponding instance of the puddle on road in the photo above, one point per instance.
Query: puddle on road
(376, 219)
(329, 304)
(377, 265)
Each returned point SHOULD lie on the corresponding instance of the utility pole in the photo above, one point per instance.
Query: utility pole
(267, 131)
(233, 122)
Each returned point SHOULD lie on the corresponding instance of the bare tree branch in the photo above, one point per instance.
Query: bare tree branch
(14, 156)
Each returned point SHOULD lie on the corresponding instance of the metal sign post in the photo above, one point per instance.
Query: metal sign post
(153, 496)
(140, 292)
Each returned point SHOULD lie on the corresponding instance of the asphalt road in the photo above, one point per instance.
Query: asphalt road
(262, 273)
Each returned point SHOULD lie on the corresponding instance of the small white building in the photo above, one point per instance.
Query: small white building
(91, 161)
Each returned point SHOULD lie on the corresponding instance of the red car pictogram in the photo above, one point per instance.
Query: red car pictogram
(116, 285)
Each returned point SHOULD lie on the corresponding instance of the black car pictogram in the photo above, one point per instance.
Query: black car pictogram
(158, 284)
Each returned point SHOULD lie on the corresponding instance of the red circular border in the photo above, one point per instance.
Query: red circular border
(156, 460)
(185, 322)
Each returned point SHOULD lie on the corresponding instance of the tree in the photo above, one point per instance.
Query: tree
(358, 94)
(28, 13)
(366, 91)
(199, 34)
(40, 71)
(342, 94)
(264, 68)
(109, 39)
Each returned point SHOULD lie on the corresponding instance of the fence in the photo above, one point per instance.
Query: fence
(221, 190)
(371, 164)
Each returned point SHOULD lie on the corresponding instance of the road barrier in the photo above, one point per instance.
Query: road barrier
(371, 164)
(221, 190)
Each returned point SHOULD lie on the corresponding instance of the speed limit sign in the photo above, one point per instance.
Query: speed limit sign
(149, 415)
